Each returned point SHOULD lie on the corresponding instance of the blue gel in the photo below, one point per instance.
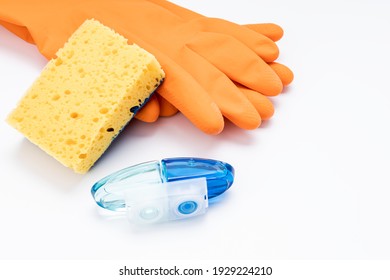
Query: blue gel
(109, 192)
(187, 207)
(219, 175)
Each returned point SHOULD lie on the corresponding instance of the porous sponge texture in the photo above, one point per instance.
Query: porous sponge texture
(86, 95)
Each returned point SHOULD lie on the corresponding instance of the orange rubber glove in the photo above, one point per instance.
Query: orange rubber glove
(270, 30)
(199, 56)
(262, 104)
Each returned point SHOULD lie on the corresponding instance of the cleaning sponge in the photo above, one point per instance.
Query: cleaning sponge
(86, 95)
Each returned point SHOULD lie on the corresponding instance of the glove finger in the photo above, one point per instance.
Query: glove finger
(230, 100)
(150, 111)
(182, 91)
(237, 61)
(262, 103)
(270, 30)
(258, 43)
(166, 108)
(285, 74)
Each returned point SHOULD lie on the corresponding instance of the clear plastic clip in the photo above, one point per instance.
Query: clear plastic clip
(154, 203)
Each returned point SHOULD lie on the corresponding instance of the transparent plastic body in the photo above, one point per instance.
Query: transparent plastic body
(110, 192)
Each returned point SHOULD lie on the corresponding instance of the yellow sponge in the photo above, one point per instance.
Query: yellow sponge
(85, 97)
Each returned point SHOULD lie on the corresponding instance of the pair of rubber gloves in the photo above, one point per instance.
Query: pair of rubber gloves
(215, 69)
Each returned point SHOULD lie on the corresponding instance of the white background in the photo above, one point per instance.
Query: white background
(311, 183)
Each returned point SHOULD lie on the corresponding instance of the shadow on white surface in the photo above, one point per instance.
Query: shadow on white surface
(34, 161)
